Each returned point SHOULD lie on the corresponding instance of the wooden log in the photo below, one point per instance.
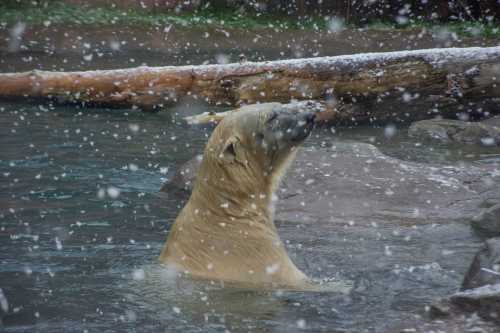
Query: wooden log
(390, 86)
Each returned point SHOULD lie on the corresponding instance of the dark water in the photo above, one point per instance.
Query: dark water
(82, 221)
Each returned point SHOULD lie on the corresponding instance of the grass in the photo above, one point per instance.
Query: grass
(60, 13)
(56, 12)
(465, 28)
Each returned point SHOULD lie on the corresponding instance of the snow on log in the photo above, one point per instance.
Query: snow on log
(392, 86)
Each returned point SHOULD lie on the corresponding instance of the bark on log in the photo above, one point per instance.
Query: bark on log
(388, 86)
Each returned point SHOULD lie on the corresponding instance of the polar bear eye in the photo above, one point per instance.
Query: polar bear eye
(273, 116)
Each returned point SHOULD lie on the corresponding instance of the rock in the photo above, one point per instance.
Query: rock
(485, 132)
(484, 300)
(494, 122)
(488, 221)
(440, 308)
(459, 322)
(485, 267)
(480, 291)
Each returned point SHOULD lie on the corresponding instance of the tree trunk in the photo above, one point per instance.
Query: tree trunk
(392, 86)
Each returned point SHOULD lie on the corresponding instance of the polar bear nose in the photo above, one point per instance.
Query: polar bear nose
(309, 117)
(289, 125)
(284, 117)
(306, 117)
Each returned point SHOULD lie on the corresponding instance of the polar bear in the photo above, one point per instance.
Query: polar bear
(225, 232)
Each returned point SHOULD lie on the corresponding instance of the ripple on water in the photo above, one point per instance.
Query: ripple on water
(204, 303)
(33, 161)
(136, 181)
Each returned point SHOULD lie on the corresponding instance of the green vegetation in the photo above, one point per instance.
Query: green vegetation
(61, 13)
(465, 28)
(56, 12)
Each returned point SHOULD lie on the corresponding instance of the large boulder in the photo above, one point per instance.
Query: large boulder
(352, 181)
(484, 132)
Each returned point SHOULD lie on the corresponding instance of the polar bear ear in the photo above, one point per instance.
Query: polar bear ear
(228, 153)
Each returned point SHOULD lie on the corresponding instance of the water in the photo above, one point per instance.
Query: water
(82, 223)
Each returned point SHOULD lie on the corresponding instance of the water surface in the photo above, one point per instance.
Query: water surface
(82, 223)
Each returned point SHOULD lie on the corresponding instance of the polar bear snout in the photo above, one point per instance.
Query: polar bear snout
(291, 126)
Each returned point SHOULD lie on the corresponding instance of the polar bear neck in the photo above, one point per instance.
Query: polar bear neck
(244, 195)
(234, 205)
(231, 244)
